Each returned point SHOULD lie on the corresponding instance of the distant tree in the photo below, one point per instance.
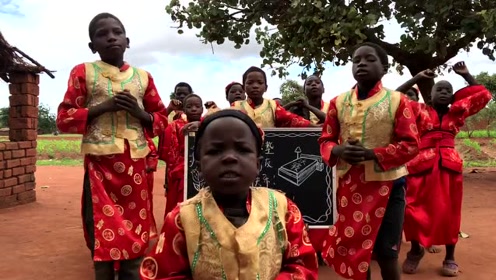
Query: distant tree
(4, 117)
(46, 120)
(489, 81)
(172, 95)
(290, 91)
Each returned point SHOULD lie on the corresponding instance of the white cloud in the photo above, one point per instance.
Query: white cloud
(56, 34)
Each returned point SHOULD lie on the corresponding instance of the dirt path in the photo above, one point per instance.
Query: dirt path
(44, 240)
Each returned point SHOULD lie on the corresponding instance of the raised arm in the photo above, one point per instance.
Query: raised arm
(330, 135)
(300, 260)
(168, 260)
(426, 74)
(404, 146)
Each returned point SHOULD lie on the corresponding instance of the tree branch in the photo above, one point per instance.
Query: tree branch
(454, 48)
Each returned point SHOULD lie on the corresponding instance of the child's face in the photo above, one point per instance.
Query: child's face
(367, 66)
(442, 93)
(109, 40)
(255, 85)
(313, 87)
(181, 93)
(236, 93)
(193, 108)
(228, 156)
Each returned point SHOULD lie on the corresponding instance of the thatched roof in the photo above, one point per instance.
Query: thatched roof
(14, 60)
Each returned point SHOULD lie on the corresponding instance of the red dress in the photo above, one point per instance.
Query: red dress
(151, 167)
(361, 204)
(435, 182)
(172, 152)
(119, 185)
(169, 260)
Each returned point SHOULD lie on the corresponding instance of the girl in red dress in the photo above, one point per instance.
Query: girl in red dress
(435, 181)
(115, 107)
(231, 230)
(172, 149)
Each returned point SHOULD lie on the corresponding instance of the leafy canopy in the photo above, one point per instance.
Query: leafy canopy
(489, 81)
(291, 91)
(311, 32)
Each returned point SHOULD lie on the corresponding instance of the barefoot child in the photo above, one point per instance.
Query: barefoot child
(234, 92)
(114, 106)
(369, 133)
(172, 150)
(265, 112)
(231, 230)
(312, 108)
(434, 198)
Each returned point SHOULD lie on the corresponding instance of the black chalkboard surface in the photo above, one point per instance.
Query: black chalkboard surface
(291, 163)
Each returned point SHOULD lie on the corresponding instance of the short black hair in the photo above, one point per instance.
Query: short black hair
(191, 96)
(254, 69)
(255, 130)
(381, 53)
(183, 84)
(94, 21)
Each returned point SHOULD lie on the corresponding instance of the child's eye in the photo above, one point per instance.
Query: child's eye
(212, 151)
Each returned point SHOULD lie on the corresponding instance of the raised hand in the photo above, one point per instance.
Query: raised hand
(460, 68)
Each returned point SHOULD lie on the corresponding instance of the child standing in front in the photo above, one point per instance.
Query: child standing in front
(231, 230)
(369, 134)
(435, 183)
(265, 112)
(114, 106)
(172, 150)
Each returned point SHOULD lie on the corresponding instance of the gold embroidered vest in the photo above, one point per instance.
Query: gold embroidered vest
(212, 110)
(314, 119)
(264, 115)
(218, 250)
(172, 114)
(106, 134)
(372, 122)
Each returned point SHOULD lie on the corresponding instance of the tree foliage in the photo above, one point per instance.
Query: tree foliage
(290, 91)
(46, 119)
(311, 32)
(172, 95)
(489, 81)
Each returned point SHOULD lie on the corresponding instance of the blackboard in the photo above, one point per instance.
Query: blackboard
(291, 162)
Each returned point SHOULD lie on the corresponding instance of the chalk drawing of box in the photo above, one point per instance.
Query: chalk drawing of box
(300, 169)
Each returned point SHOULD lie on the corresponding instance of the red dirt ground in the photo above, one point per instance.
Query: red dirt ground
(44, 240)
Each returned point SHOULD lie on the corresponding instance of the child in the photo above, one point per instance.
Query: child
(114, 106)
(234, 92)
(181, 90)
(172, 150)
(434, 198)
(231, 230)
(378, 138)
(312, 108)
(265, 112)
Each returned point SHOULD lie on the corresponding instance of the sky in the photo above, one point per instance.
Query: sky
(55, 33)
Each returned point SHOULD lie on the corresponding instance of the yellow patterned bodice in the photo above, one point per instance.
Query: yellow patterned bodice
(314, 119)
(106, 134)
(371, 121)
(218, 250)
(264, 115)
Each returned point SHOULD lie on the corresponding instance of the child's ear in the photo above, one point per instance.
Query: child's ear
(90, 45)
(259, 162)
(128, 46)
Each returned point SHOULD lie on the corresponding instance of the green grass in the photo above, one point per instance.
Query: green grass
(59, 162)
(477, 134)
(480, 163)
(472, 144)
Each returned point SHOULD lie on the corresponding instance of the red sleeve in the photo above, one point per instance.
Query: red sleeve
(169, 258)
(330, 134)
(470, 100)
(404, 146)
(284, 118)
(152, 157)
(72, 114)
(167, 142)
(300, 260)
(153, 104)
